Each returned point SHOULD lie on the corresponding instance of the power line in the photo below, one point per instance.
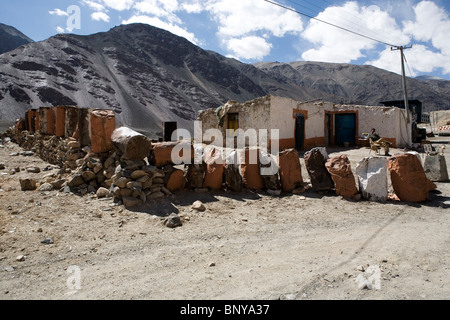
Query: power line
(331, 24)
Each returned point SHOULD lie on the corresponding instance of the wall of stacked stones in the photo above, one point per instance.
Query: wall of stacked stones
(131, 168)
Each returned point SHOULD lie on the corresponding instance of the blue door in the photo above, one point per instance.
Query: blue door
(345, 129)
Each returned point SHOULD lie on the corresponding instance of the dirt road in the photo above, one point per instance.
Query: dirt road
(244, 246)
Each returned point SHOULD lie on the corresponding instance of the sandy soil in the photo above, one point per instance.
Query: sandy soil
(244, 246)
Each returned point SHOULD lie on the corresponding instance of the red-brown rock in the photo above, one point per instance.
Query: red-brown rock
(250, 171)
(60, 121)
(290, 170)
(161, 153)
(176, 181)
(103, 124)
(342, 175)
(408, 178)
(214, 170)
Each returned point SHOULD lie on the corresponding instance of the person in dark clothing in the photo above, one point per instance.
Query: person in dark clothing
(375, 137)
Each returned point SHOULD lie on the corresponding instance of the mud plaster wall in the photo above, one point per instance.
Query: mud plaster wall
(282, 117)
(390, 123)
(272, 112)
(254, 114)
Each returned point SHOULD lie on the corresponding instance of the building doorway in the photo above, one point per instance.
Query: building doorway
(345, 134)
(299, 131)
(168, 129)
(328, 129)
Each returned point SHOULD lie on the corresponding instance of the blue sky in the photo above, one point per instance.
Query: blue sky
(256, 30)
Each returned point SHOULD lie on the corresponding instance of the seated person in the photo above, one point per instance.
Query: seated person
(380, 141)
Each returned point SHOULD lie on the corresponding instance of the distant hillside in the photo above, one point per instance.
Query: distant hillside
(359, 84)
(11, 38)
(148, 75)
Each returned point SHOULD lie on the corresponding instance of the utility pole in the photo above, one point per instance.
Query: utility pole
(405, 92)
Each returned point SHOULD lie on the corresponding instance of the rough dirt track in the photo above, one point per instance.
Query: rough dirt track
(244, 246)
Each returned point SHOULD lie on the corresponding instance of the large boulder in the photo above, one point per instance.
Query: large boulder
(195, 174)
(269, 170)
(373, 179)
(233, 178)
(435, 168)
(342, 175)
(408, 178)
(133, 145)
(103, 124)
(162, 153)
(250, 171)
(175, 180)
(214, 169)
(315, 160)
(290, 170)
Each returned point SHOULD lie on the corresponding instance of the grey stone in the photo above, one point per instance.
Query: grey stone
(173, 221)
(46, 187)
(315, 161)
(122, 182)
(47, 241)
(102, 192)
(138, 174)
(88, 175)
(33, 170)
(58, 184)
(76, 181)
(435, 168)
(198, 205)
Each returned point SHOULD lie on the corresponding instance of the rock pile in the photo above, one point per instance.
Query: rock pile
(55, 150)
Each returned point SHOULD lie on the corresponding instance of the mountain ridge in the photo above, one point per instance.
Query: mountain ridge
(11, 38)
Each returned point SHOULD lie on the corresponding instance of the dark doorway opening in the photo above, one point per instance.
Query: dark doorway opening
(168, 129)
(328, 129)
(299, 131)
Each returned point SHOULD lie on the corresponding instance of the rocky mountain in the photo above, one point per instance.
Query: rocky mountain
(11, 38)
(355, 84)
(148, 75)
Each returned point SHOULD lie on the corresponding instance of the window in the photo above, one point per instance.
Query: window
(233, 121)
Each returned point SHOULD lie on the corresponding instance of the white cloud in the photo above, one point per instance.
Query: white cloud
(119, 5)
(60, 30)
(192, 7)
(238, 18)
(156, 22)
(245, 27)
(431, 49)
(100, 16)
(248, 47)
(337, 45)
(98, 7)
(58, 12)
(159, 8)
